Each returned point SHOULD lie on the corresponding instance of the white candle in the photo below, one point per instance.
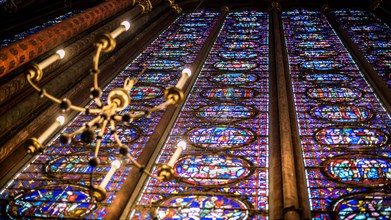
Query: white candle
(58, 55)
(114, 166)
(186, 73)
(59, 121)
(125, 25)
(180, 147)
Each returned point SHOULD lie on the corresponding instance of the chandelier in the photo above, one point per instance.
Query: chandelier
(106, 114)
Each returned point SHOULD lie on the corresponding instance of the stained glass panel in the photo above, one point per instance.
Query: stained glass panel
(43, 187)
(371, 35)
(343, 127)
(226, 112)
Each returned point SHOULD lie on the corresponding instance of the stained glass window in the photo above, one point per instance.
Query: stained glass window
(46, 186)
(371, 35)
(226, 112)
(343, 127)
(33, 30)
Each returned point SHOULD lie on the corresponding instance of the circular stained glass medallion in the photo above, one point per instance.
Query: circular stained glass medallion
(57, 201)
(235, 65)
(342, 113)
(233, 78)
(228, 93)
(140, 93)
(211, 170)
(219, 137)
(225, 112)
(202, 207)
(363, 206)
(359, 169)
(361, 138)
(334, 94)
(238, 55)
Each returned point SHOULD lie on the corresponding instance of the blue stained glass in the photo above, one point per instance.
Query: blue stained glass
(238, 55)
(202, 207)
(225, 112)
(352, 136)
(372, 37)
(242, 162)
(233, 78)
(228, 93)
(211, 169)
(362, 170)
(342, 113)
(343, 128)
(334, 94)
(33, 30)
(327, 78)
(364, 206)
(52, 171)
(140, 93)
(215, 137)
(53, 202)
(235, 65)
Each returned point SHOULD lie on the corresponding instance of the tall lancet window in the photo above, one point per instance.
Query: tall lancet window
(55, 183)
(343, 127)
(223, 172)
(371, 35)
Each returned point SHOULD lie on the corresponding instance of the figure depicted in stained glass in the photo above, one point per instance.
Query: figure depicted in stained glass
(211, 170)
(202, 207)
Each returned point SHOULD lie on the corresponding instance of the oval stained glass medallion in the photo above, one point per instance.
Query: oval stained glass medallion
(359, 169)
(140, 93)
(228, 93)
(163, 65)
(353, 137)
(319, 54)
(241, 37)
(342, 113)
(246, 24)
(321, 65)
(211, 170)
(235, 65)
(327, 78)
(156, 77)
(225, 112)
(310, 36)
(56, 201)
(238, 55)
(244, 31)
(334, 94)
(72, 167)
(202, 207)
(171, 53)
(233, 78)
(241, 45)
(314, 45)
(363, 206)
(219, 137)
